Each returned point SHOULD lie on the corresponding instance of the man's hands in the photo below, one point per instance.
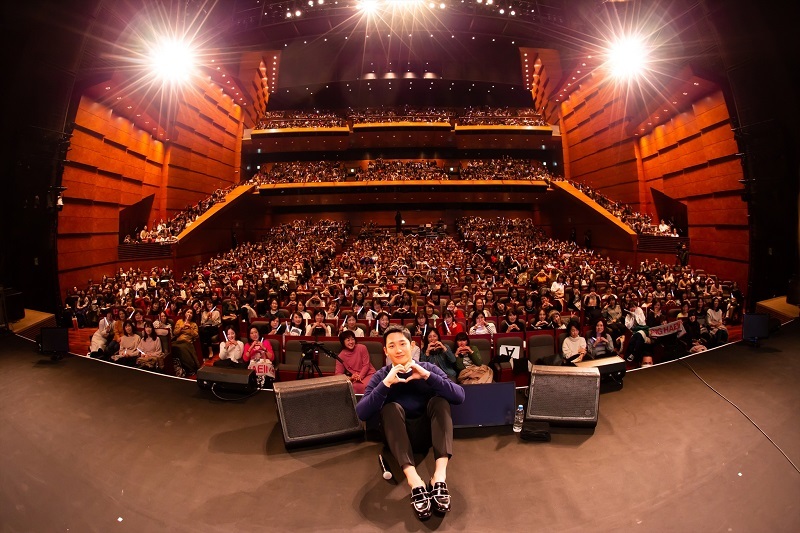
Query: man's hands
(404, 373)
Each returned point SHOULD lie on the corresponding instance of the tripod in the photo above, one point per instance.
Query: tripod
(308, 364)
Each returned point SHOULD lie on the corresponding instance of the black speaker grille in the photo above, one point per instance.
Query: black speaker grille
(564, 398)
(317, 410)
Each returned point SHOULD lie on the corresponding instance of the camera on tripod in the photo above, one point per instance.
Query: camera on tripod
(308, 363)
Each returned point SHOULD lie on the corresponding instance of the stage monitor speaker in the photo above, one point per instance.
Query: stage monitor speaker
(12, 308)
(229, 379)
(612, 371)
(564, 395)
(317, 410)
(755, 326)
(54, 340)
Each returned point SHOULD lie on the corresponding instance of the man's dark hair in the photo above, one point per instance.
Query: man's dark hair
(396, 328)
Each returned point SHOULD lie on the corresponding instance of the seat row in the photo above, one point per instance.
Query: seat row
(511, 351)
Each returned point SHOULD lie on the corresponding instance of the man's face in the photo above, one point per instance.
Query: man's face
(397, 348)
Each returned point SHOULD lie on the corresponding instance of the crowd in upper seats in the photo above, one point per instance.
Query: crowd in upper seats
(168, 231)
(502, 116)
(299, 119)
(300, 172)
(472, 116)
(641, 223)
(405, 113)
(388, 170)
(492, 267)
(505, 168)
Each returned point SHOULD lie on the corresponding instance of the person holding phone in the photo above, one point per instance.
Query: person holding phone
(259, 356)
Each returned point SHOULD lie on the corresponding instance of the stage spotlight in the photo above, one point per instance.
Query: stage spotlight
(628, 58)
(368, 6)
(172, 60)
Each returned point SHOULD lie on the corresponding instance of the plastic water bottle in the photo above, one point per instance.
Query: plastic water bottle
(519, 418)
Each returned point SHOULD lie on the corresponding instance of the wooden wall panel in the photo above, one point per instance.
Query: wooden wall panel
(689, 157)
(113, 164)
(692, 158)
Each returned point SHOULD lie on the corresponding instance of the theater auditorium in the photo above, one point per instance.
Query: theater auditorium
(582, 215)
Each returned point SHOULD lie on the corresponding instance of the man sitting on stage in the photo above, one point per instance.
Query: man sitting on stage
(414, 403)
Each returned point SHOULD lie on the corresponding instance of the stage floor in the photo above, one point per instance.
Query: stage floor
(91, 446)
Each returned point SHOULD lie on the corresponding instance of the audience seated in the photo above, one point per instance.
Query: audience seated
(299, 119)
(168, 231)
(639, 222)
(500, 116)
(375, 273)
(439, 353)
(469, 363)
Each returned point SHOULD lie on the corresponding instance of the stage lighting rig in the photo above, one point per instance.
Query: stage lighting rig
(172, 60)
(628, 57)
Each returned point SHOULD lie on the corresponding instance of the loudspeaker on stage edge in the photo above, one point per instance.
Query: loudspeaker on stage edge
(612, 371)
(317, 410)
(229, 379)
(53, 340)
(564, 396)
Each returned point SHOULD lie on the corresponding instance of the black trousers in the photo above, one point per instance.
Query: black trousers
(405, 435)
(207, 334)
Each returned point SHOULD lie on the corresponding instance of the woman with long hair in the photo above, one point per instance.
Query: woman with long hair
(297, 325)
(449, 326)
(185, 333)
(421, 325)
(259, 356)
(150, 350)
(600, 343)
(128, 343)
(231, 351)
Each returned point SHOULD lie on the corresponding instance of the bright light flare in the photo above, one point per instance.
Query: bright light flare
(172, 60)
(628, 58)
(368, 6)
(373, 6)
